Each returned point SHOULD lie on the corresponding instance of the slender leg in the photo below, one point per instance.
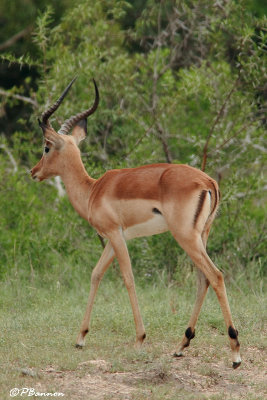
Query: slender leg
(202, 288)
(189, 334)
(118, 243)
(97, 274)
(196, 250)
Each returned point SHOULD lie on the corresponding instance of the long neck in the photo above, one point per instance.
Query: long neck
(78, 185)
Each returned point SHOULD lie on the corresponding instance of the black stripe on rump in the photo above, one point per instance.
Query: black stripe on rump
(200, 205)
(216, 197)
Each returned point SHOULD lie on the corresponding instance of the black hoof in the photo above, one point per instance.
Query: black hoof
(78, 346)
(178, 355)
(236, 364)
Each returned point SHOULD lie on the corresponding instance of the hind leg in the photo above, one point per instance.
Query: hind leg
(195, 248)
(202, 288)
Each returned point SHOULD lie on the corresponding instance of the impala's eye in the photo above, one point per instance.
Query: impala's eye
(46, 149)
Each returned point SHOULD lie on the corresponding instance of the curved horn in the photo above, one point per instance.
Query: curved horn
(69, 123)
(46, 114)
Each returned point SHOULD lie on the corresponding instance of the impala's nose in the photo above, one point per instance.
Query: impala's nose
(32, 174)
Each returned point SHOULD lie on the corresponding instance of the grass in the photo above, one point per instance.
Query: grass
(40, 319)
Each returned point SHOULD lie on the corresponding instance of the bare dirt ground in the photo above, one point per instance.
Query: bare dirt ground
(188, 377)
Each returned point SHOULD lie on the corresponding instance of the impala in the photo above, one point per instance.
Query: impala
(133, 202)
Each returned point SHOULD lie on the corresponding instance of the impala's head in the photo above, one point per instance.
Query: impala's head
(59, 147)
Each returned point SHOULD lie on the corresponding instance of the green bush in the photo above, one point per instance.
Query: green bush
(180, 82)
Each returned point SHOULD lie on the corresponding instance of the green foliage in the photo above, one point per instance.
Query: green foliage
(179, 82)
(37, 232)
(42, 32)
(20, 15)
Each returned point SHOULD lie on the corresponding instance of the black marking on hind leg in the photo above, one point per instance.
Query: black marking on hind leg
(189, 334)
(156, 211)
(233, 333)
(85, 332)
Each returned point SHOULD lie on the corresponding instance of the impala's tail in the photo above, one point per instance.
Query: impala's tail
(207, 207)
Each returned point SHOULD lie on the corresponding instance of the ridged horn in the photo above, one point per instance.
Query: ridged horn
(69, 123)
(46, 114)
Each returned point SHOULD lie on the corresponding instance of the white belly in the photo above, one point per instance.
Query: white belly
(153, 226)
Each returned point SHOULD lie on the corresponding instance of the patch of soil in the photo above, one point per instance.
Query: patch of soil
(95, 379)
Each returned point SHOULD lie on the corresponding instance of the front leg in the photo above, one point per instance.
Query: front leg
(120, 248)
(97, 274)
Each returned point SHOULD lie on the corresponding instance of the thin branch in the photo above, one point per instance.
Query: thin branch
(139, 140)
(219, 115)
(155, 66)
(162, 138)
(230, 138)
(10, 156)
(15, 38)
(156, 77)
(19, 97)
(56, 183)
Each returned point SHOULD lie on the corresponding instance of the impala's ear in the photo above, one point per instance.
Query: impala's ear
(80, 130)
